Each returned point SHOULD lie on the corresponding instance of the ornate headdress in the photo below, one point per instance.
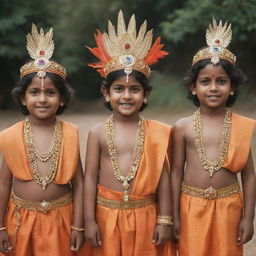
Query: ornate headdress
(124, 49)
(218, 38)
(40, 47)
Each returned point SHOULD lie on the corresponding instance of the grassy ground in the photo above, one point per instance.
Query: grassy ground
(94, 115)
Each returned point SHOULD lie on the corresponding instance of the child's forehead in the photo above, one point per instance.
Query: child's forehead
(212, 71)
(131, 81)
(37, 83)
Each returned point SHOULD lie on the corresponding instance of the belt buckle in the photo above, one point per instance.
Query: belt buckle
(210, 193)
(44, 206)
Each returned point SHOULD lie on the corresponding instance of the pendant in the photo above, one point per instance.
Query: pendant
(211, 170)
(126, 198)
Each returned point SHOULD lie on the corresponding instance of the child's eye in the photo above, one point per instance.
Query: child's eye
(118, 89)
(222, 81)
(205, 82)
(50, 93)
(34, 92)
(135, 89)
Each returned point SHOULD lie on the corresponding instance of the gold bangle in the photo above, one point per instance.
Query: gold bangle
(2, 228)
(164, 217)
(77, 229)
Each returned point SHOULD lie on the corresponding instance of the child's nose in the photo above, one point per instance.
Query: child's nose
(213, 85)
(127, 94)
(42, 97)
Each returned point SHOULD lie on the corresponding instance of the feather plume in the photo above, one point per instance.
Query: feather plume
(155, 53)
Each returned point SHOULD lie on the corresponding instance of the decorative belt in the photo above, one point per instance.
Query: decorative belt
(210, 193)
(123, 205)
(42, 206)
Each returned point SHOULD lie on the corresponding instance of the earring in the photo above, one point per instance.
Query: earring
(194, 93)
(145, 100)
(61, 104)
(107, 99)
(231, 93)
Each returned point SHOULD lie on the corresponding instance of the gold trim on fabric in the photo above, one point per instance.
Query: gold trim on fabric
(210, 193)
(123, 205)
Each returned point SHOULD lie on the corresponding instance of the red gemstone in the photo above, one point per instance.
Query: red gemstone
(127, 46)
(41, 53)
(217, 41)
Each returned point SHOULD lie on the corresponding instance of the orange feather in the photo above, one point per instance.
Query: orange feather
(155, 53)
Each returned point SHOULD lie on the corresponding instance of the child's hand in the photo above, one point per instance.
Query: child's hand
(92, 234)
(176, 231)
(245, 231)
(77, 240)
(5, 245)
(162, 234)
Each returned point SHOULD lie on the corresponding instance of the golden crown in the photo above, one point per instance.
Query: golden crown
(218, 38)
(124, 49)
(40, 47)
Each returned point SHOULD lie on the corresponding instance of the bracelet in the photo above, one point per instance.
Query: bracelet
(164, 217)
(77, 229)
(164, 220)
(2, 228)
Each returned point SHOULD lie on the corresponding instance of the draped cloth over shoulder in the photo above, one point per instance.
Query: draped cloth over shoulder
(14, 151)
(129, 232)
(209, 226)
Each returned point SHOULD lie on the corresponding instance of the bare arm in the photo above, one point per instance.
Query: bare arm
(92, 166)
(163, 233)
(249, 188)
(77, 237)
(177, 171)
(5, 190)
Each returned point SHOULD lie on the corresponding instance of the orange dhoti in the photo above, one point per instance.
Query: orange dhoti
(127, 232)
(38, 233)
(209, 227)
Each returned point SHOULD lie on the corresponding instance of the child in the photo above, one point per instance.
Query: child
(126, 164)
(212, 146)
(41, 172)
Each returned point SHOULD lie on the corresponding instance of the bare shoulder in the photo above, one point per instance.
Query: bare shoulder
(97, 129)
(183, 124)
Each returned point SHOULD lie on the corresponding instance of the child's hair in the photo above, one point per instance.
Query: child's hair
(66, 92)
(120, 73)
(237, 78)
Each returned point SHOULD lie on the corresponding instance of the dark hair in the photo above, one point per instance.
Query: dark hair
(237, 78)
(120, 73)
(66, 92)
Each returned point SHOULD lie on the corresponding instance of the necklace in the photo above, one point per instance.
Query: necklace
(34, 154)
(137, 152)
(212, 166)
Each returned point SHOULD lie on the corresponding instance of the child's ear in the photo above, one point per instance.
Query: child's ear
(147, 94)
(193, 89)
(105, 93)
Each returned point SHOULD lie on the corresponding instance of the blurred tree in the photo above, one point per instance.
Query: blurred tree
(186, 26)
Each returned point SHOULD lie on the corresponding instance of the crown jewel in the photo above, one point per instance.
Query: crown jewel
(40, 47)
(218, 38)
(124, 49)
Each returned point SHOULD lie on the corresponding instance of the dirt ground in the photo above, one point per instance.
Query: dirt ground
(88, 119)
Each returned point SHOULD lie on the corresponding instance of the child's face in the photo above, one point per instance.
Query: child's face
(212, 87)
(42, 102)
(126, 98)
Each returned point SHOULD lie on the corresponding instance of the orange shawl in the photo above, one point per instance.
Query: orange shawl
(240, 143)
(13, 149)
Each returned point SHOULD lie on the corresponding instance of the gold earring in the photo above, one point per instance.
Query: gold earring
(231, 93)
(107, 99)
(194, 93)
(145, 100)
(61, 104)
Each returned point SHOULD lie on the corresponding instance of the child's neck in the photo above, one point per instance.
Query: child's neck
(42, 122)
(126, 119)
(212, 111)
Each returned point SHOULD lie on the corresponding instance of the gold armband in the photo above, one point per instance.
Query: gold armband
(2, 228)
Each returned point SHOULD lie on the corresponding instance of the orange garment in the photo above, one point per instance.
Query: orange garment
(210, 227)
(14, 151)
(130, 232)
(40, 234)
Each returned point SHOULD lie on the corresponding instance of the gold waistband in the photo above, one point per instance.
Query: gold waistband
(210, 193)
(42, 206)
(123, 205)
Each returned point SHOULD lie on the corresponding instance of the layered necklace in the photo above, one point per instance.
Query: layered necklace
(34, 155)
(137, 152)
(212, 166)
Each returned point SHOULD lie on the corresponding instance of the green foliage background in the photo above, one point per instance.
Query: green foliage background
(180, 23)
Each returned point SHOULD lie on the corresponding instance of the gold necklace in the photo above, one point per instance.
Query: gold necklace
(137, 152)
(33, 153)
(212, 166)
